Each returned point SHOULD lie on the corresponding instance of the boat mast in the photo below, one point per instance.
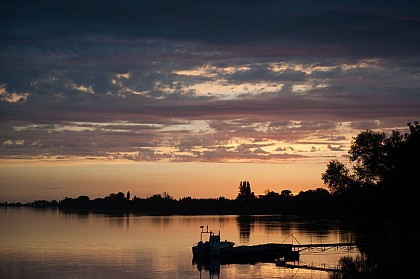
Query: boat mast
(201, 234)
(207, 231)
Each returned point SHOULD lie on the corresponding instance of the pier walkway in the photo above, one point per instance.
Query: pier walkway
(323, 247)
(320, 247)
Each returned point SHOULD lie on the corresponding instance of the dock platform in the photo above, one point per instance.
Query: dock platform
(258, 253)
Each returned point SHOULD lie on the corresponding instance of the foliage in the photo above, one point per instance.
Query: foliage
(337, 177)
(377, 159)
(383, 195)
(369, 153)
(245, 188)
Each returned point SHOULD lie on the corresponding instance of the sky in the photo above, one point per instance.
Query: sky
(192, 97)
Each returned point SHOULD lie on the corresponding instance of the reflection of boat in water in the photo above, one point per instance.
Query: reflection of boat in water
(210, 264)
(213, 264)
(211, 247)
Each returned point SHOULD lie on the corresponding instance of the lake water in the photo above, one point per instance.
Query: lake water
(50, 243)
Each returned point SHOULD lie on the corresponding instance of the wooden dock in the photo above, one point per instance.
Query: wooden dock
(326, 246)
(262, 252)
(267, 253)
(271, 252)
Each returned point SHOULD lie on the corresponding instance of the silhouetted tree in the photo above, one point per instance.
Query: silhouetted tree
(270, 203)
(245, 188)
(166, 195)
(375, 158)
(337, 177)
(245, 198)
(286, 193)
(369, 151)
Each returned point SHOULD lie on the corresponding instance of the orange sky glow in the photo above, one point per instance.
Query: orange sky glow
(47, 180)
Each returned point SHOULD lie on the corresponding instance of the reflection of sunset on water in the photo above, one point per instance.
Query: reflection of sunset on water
(42, 243)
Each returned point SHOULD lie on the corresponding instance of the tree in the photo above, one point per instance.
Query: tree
(286, 193)
(414, 130)
(245, 198)
(248, 188)
(369, 152)
(379, 160)
(245, 188)
(165, 195)
(337, 177)
(406, 158)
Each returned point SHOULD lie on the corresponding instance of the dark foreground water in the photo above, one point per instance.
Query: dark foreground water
(54, 244)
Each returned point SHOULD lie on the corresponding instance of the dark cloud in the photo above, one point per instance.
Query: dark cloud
(202, 80)
(317, 27)
(286, 148)
(337, 148)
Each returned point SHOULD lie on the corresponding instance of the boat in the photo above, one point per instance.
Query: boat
(213, 246)
(224, 252)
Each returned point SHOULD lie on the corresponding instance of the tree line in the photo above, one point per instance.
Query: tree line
(380, 181)
(245, 203)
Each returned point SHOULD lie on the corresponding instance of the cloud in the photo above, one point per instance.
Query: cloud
(286, 148)
(262, 82)
(12, 97)
(13, 143)
(337, 148)
(84, 88)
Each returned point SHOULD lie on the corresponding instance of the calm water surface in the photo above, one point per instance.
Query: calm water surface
(54, 244)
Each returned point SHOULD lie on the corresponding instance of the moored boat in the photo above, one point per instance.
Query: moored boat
(213, 246)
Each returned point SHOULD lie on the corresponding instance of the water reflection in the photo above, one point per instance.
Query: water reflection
(119, 220)
(298, 269)
(245, 224)
(344, 268)
(287, 225)
(47, 243)
(161, 221)
(211, 266)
